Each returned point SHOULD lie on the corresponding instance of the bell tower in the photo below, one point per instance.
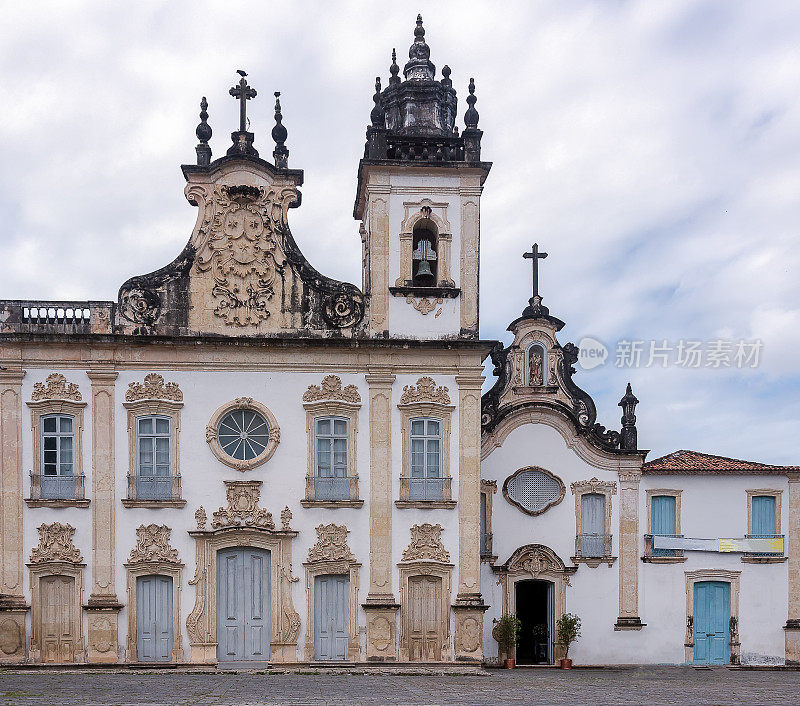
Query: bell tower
(418, 200)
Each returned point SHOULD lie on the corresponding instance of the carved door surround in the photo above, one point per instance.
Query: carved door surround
(535, 561)
(332, 555)
(153, 555)
(56, 555)
(731, 577)
(425, 556)
(243, 524)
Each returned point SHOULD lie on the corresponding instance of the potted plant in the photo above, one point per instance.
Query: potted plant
(568, 629)
(506, 632)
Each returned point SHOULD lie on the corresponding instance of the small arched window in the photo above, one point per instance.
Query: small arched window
(424, 255)
(536, 365)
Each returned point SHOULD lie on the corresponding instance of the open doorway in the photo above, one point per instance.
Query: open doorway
(534, 608)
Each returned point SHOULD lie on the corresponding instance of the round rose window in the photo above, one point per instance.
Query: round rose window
(243, 434)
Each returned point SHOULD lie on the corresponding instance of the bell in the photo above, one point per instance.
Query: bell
(424, 270)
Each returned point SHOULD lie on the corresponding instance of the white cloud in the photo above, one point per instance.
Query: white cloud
(650, 148)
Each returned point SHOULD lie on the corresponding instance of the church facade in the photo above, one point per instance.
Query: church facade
(241, 460)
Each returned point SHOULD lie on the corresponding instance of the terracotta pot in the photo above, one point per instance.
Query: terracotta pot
(566, 664)
(508, 663)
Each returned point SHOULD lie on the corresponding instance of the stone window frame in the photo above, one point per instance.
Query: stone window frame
(424, 211)
(728, 576)
(411, 569)
(155, 568)
(650, 493)
(272, 443)
(162, 408)
(332, 408)
(41, 570)
(489, 488)
(42, 408)
(594, 486)
(761, 558)
(430, 410)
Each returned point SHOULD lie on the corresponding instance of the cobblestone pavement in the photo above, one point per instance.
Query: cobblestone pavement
(650, 685)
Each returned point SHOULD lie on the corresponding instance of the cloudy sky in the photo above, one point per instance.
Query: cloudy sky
(652, 148)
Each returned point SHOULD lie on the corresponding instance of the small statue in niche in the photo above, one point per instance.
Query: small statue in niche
(535, 366)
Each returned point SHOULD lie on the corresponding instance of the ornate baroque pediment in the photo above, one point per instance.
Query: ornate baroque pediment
(55, 544)
(152, 544)
(242, 510)
(593, 486)
(331, 544)
(535, 559)
(426, 544)
(154, 388)
(56, 387)
(424, 391)
(331, 389)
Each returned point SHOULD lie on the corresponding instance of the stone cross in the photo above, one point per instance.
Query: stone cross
(244, 93)
(535, 255)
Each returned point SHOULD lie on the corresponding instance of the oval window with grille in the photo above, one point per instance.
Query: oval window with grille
(533, 490)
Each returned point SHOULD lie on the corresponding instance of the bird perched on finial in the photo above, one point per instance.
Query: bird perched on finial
(241, 73)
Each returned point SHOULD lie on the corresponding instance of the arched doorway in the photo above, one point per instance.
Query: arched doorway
(533, 604)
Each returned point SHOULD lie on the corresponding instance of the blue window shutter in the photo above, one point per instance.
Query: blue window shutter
(763, 514)
(662, 514)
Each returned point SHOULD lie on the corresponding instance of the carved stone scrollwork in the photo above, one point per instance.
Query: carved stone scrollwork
(242, 510)
(535, 560)
(344, 307)
(152, 544)
(200, 517)
(55, 544)
(426, 544)
(424, 391)
(56, 387)
(331, 389)
(331, 544)
(286, 519)
(193, 619)
(593, 486)
(153, 388)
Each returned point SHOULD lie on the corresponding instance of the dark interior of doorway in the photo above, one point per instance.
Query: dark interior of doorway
(533, 611)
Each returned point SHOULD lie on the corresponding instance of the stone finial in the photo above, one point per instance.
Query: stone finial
(279, 134)
(377, 115)
(203, 133)
(446, 82)
(394, 69)
(629, 436)
(286, 519)
(419, 65)
(471, 116)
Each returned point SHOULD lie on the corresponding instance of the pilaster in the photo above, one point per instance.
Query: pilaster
(380, 606)
(103, 606)
(629, 552)
(470, 257)
(12, 601)
(469, 606)
(792, 627)
(378, 193)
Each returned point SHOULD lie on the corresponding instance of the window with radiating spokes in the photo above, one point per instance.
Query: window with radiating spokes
(243, 434)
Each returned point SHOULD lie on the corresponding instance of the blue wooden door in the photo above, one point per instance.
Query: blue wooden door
(154, 618)
(331, 616)
(243, 604)
(712, 601)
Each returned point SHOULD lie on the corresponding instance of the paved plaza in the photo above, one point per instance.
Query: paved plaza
(651, 685)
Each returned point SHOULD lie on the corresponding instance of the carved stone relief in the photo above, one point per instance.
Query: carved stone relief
(331, 389)
(56, 387)
(55, 544)
(153, 388)
(152, 544)
(331, 544)
(426, 544)
(424, 391)
(242, 510)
